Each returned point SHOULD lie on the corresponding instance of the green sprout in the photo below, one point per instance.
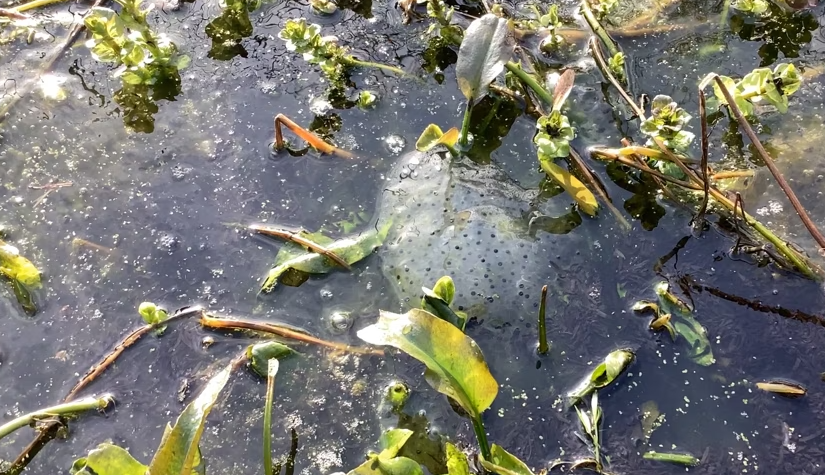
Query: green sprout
(550, 23)
(616, 65)
(603, 8)
(443, 15)
(762, 85)
(367, 99)
(554, 136)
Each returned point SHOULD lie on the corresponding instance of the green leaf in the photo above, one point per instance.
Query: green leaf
(787, 74)
(259, 355)
(436, 305)
(681, 459)
(16, 267)
(108, 459)
(351, 250)
(444, 288)
(455, 364)
(575, 188)
(433, 136)
(391, 442)
(456, 461)
(505, 463)
(604, 374)
(177, 452)
(482, 54)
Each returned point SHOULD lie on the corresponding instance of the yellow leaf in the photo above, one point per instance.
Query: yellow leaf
(785, 389)
(575, 188)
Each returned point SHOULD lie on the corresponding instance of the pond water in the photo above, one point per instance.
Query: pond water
(160, 208)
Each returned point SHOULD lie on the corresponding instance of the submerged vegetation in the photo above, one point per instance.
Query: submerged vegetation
(502, 75)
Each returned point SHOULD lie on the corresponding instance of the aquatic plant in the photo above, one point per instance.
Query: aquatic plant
(142, 56)
(334, 60)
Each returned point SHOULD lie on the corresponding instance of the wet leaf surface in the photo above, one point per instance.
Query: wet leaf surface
(455, 364)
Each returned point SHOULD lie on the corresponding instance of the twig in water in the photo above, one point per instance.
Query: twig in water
(317, 142)
(596, 185)
(301, 241)
(272, 370)
(763, 154)
(210, 321)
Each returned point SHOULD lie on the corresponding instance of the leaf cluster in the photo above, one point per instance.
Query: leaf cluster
(554, 135)
(666, 122)
(762, 86)
(305, 38)
(756, 7)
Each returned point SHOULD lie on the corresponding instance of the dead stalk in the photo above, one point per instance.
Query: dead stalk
(317, 142)
(210, 321)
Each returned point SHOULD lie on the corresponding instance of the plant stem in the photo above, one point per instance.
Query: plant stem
(272, 370)
(763, 154)
(465, 124)
(81, 405)
(597, 28)
(543, 346)
(370, 64)
(540, 91)
(34, 4)
(481, 437)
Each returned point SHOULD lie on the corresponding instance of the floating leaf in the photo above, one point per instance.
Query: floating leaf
(681, 459)
(605, 373)
(505, 463)
(456, 461)
(178, 451)
(386, 462)
(433, 136)
(782, 387)
(259, 355)
(575, 188)
(108, 459)
(455, 364)
(296, 258)
(16, 267)
(482, 54)
(684, 324)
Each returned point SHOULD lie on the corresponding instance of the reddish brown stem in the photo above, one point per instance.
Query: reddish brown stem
(301, 241)
(317, 142)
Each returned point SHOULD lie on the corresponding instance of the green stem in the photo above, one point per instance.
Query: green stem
(543, 346)
(481, 436)
(465, 125)
(80, 405)
(370, 64)
(35, 4)
(486, 122)
(599, 30)
(540, 91)
(270, 393)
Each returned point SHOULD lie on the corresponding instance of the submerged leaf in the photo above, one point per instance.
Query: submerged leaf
(296, 258)
(259, 355)
(482, 54)
(392, 440)
(782, 387)
(505, 463)
(108, 459)
(387, 462)
(455, 364)
(575, 188)
(178, 451)
(604, 374)
(681, 459)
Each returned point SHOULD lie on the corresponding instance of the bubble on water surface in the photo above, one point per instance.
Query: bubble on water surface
(395, 143)
(168, 242)
(320, 106)
(340, 321)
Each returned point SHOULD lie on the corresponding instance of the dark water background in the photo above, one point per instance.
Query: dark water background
(161, 202)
